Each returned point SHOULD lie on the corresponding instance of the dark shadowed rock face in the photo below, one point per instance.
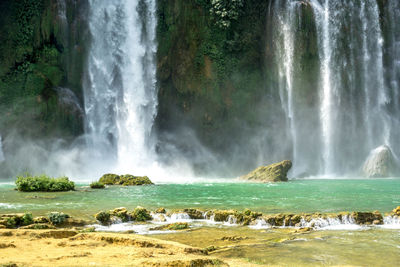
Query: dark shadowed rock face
(276, 172)
(380, 163)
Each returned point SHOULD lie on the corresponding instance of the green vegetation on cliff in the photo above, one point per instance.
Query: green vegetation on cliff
(211, 68)
(33, 63)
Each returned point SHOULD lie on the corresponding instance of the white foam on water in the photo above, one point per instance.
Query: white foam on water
(260, 224)
(391, 222)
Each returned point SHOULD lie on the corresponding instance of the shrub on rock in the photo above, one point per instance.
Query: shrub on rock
(103, 217)
(43, 183)
(140, 214)
(97, 185)
(126, 180)
(57, 217)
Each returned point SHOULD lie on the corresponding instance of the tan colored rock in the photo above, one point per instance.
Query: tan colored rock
(397, 211)
(276, 172)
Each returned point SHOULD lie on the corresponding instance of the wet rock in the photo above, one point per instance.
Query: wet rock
(304, 230)
(71, 222)
(367, 218)
(396, 211)
(103, 217)
(121, 213)
(172, 226)
(39, 226)
(41, 219)
(140, 214)
(380, 163)
(222, 215)
(159, 217)
(161, 210)
(194, 214)
(276, 172)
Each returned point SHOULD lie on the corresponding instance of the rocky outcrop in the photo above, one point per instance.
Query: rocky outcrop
(380, 163)
(276, 172)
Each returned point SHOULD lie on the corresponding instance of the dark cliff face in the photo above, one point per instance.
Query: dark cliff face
(211, 77)
(42, 47)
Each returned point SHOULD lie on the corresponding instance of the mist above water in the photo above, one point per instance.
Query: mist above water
(358, 98)
(354, 76)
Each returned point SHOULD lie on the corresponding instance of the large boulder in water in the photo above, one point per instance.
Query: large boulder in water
(276, 172)
(380, 163)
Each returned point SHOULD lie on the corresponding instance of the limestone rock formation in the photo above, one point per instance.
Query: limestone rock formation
(276, 172)
(380, 163)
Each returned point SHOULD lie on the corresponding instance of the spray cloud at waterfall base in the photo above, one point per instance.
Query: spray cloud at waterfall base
(339, 98)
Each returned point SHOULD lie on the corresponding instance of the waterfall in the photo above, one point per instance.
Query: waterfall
(352, 83)
(1, 150)
(285, 20)
(358, 80)
(120, 92)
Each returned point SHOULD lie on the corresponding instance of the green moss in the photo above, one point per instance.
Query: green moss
(57, 217)
(43, 183)
(11, 222)
(125, 180)
(140, 214)
(103, 217)
(97, 185)
(109, 179)
(27, 219)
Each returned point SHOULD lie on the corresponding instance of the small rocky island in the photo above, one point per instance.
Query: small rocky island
(276, 172)
(125, 180)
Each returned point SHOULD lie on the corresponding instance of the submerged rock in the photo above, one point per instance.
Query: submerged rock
(276, 172)
(126, 180)
(172, 226)
(380, 163)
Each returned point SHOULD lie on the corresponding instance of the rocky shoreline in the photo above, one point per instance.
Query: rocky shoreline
(173, 219)
(57, 239)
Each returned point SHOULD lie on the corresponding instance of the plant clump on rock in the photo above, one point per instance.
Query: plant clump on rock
(15, 220)
(58, 217)
(140, 214)
(97, 185)
(43, 183)
(103, 217)
(125, 180)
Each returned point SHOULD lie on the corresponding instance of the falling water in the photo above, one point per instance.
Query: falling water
(345, 72)
(359, 74)
(1, 150)
(120, 92)
(285, 20)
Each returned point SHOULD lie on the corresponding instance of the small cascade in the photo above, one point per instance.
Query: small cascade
(179, 217)
(343, 222)
(2, 158)
(231, 220)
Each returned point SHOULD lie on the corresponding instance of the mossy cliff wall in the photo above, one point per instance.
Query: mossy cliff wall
(211, 71)
(41, 48)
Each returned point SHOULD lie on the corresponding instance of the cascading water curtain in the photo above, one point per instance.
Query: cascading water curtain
(120, 92)
(353, 91)
(358, 46)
